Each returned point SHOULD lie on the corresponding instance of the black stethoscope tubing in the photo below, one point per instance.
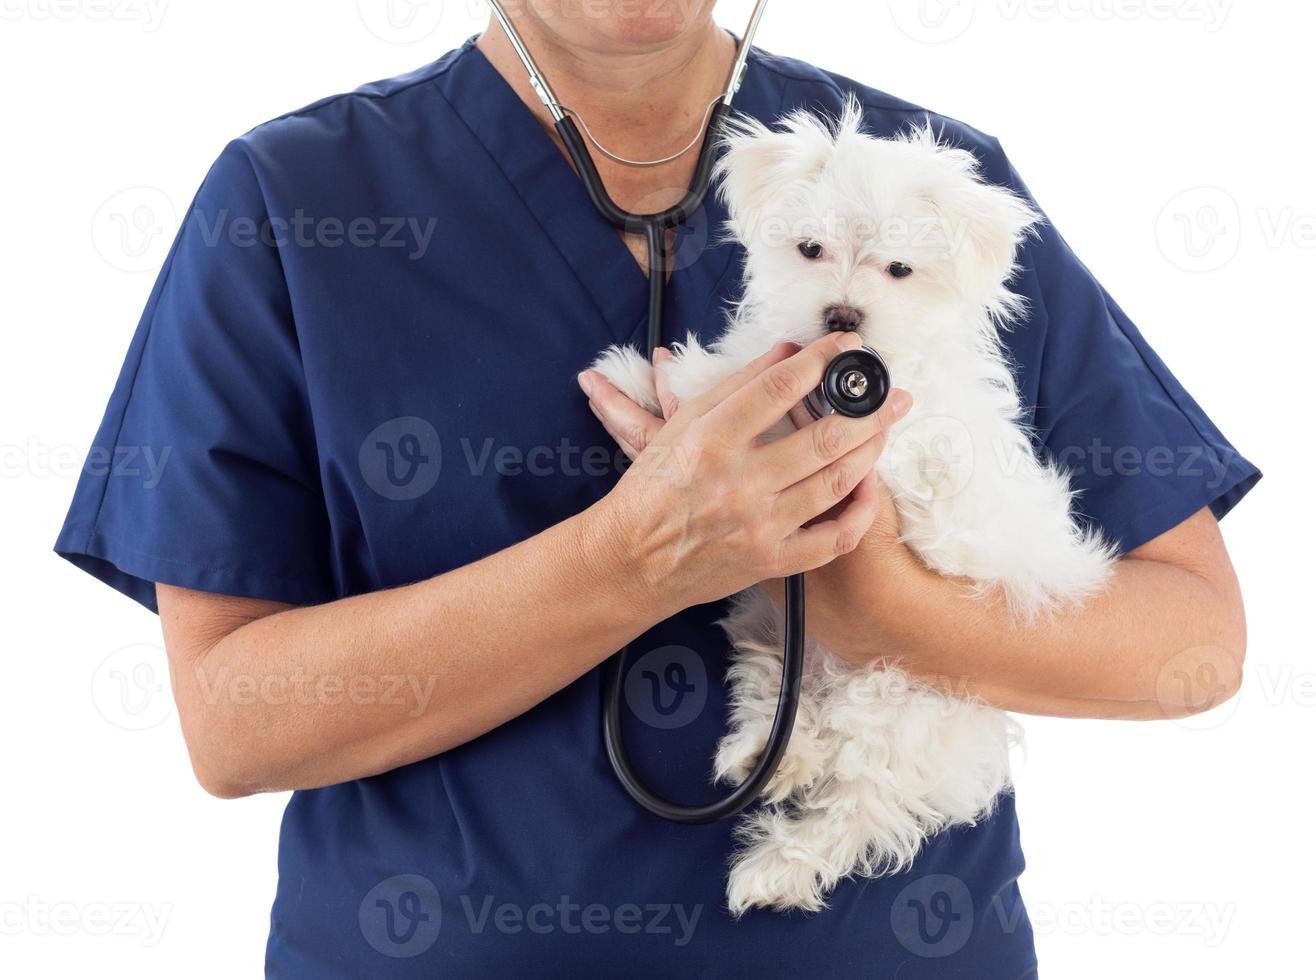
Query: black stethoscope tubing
(654, 228)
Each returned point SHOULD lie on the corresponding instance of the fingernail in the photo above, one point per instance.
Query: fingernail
(849, 340)
(661, 354)
(586, 381)
(901, 402)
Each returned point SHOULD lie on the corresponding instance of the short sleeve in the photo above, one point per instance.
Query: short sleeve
(204, 471)
(1141, 453)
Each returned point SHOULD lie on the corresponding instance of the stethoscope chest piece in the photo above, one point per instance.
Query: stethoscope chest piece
(856, 384)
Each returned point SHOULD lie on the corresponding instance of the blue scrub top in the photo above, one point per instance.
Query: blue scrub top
(360, 358)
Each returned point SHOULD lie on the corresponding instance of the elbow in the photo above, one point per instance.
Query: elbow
(222, 787)
(1209, 674)
(1201, 679)
(219, 765)
(224, 779)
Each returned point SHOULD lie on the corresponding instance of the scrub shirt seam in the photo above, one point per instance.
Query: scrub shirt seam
(1235, 461)
(1174, 399)
(319, 490)
(440, 68)
(1106, 303)
(94, 524)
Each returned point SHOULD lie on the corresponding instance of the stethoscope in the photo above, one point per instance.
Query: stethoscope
(855, 384)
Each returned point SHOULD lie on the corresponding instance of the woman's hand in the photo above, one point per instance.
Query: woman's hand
(632, 425)
(708, 509)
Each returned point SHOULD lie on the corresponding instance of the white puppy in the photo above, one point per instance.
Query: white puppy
(901, 240)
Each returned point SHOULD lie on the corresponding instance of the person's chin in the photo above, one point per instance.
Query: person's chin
(645, 24)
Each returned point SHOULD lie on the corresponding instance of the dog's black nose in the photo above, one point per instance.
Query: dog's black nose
(842, 318)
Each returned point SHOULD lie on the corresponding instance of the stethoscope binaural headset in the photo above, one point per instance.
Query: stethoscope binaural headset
(855, 384)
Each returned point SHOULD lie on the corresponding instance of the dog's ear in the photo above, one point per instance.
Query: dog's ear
(985, 223)
(759, 164)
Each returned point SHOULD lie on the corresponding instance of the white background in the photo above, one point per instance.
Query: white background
(1155, 850)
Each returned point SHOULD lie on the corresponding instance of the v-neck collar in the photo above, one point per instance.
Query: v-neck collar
(589, 245)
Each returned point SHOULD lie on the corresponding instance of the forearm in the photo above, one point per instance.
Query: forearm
(1119, 655)
(1164, 639)
(314, 696)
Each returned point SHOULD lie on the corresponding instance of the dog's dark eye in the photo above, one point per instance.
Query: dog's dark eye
(900, 270)
(810, 250)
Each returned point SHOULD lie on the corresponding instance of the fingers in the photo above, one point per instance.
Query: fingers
(719, 393)
(800, 417)
(631, 425)
(779, 385)
(819, 444)
(809, 498)
(817, 545)
(667, 401)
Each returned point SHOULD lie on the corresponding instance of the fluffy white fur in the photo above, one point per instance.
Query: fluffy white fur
(878, 763)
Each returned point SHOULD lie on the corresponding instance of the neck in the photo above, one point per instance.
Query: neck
(643, 104)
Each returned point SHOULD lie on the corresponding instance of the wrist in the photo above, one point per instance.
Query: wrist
(869, 604)
(616, 565)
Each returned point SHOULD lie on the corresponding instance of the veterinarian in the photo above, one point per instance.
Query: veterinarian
(387, 509)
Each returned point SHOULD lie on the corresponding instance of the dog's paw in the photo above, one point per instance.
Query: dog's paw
(800, 767)
(630, 374)
(694, 369)
(739, 751)
(772, 872)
